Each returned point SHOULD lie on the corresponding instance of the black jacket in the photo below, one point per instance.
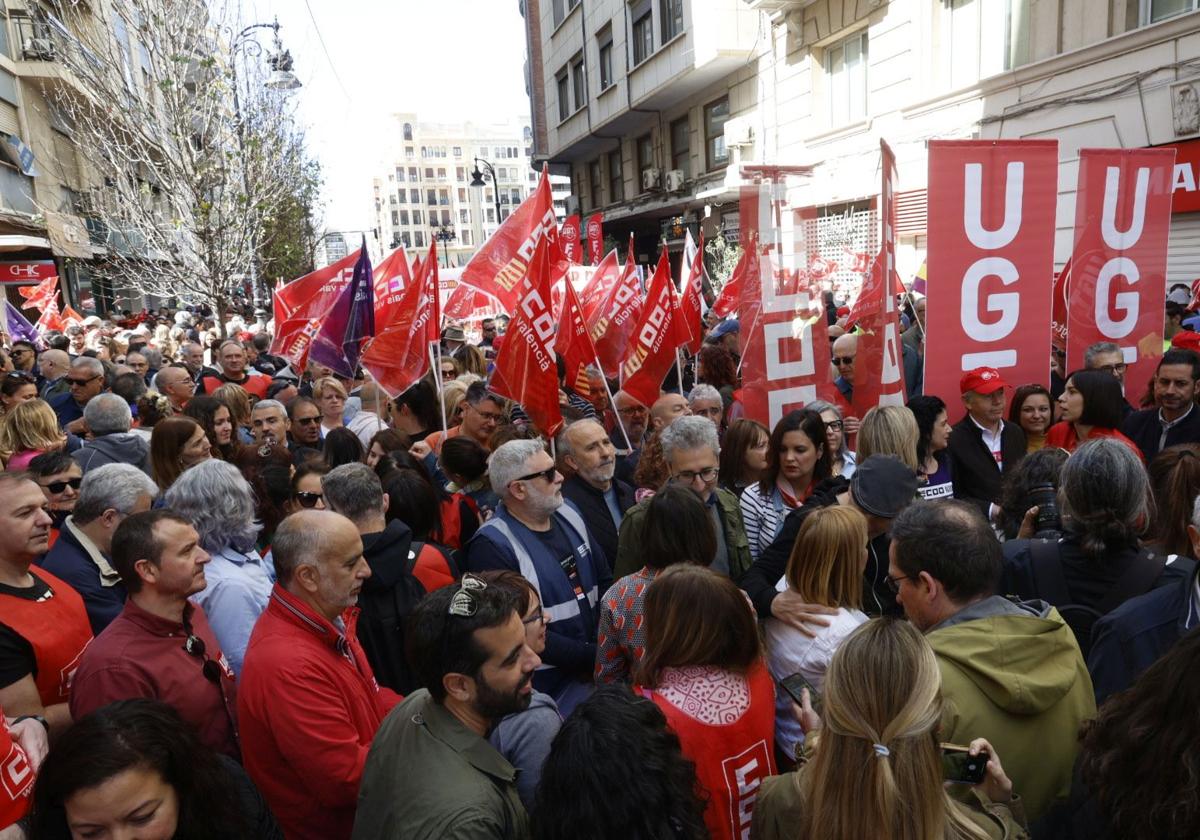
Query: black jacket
(1142, 427)
(976, 476)
(759, 582)
(592, 505)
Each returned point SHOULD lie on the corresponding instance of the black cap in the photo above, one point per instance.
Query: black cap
(883, 486)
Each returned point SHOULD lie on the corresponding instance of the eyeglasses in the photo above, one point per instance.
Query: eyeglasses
(1117, 368)
(308, 500)
(833, 425)
(465, 602)
(60, 486)
(842, 360)
(19, 351)
(687, 477)
(538, 616)
(309, 421)
(633, 409)
(893, 583)
(488, 415)
(194, 646)
(547, 474)
(82, 382)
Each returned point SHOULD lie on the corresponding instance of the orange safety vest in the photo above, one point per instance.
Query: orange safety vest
(57, 629)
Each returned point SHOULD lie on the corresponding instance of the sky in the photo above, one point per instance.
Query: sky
(449, 60)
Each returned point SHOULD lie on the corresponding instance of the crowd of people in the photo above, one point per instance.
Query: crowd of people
(241, 600)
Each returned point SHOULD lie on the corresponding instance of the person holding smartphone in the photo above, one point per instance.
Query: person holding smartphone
(876, 769)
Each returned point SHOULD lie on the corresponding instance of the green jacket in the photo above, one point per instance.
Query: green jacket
(1012, 673)
(630, 539)
(428, 777)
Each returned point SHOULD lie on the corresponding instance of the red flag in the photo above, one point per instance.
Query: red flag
(991, 259)
(731, 292)
(70, 316)
(391, 278)
(615, 321)
(597, 289)
(1062, 293)
(1119, 264)
(50, 319)
(399, 356)
(595, 237)
(879, 369)
(652, 351)
(574, 342)
(525, 369)
(301, 304)
(502, 262)
(569, 239)
(36, 297)
(692, 293)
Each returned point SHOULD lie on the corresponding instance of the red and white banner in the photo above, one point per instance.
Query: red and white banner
(302, 304)
(525, 370)
(991, 261)
(391, 277)
(1058, 306)
(569, 239)
(37, 297)
(597, 289)
(27, 272)
(691, 292)
(655, 337)
(613, 323)
(879, 363)
(399, 355)
(595, 238)
(785, 345)
(727, 301)
(502, 262)
(574, 342)
(1119, 264)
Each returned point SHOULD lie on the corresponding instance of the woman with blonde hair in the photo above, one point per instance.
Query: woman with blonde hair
(27, 430)
(237, 400)
(453, 393)
(876, 770)
(826, 568)
(331, 399)
(889, 430)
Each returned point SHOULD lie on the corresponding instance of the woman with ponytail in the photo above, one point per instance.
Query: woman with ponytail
(876, 768)
(1175, 482)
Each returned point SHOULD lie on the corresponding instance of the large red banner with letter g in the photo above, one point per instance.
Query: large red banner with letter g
(1118, 267)
(991, 261)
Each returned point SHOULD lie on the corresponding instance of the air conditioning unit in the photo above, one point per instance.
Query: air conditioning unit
(650, 178)
(38, 49)
(674, 180)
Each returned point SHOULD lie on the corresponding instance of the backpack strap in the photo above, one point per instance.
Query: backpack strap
(1046, 567)
(1137, 580)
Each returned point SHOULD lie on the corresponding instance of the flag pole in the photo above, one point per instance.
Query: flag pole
(679, 371)
(612, 401)
(437, 378)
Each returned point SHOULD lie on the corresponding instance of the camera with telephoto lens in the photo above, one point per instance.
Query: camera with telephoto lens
(1049, 523)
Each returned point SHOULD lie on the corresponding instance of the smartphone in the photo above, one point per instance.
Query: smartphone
(958, 765)
(794, 684)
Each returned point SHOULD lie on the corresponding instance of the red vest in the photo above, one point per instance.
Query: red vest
(255, 384)
(731, 759)
(58, 630)
(16, 780)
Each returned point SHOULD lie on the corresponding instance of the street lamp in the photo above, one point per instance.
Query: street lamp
(444, 234)
(477, 181)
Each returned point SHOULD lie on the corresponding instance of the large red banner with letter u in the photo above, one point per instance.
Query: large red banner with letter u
(991, 260)
(1118, 267)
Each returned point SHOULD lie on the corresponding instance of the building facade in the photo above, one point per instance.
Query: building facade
(653, 106)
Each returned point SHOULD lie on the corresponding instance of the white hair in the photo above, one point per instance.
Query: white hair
(688, 433)
(107, 414)
(704, 391)
(507, 463)
(220, 504)
(112, 486)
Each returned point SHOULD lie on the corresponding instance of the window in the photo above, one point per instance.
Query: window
(562, 8)
(445, 218)
(968, 48)
(578, 85)
(401, 196)
(645, 159)
(431, 197)
(458, 151)
(400, 174)
(616, 178)
(395, 218)
(595, 182)
(466, 237)
(681, 157)
(428, 173)
(564, 96)
(464, 217)
(443, 196)
(419, 238)
(846, 79)
(412, 174)
(460, 173)
(404, 217)
(418, 217)
(671, 12)
(491, 215)
(408, 131)
(715, 115)
(643, 33)
(414, 196)
(409, 154)
(441, 173)
(604, 42)
(462, 195)
(1156, 10)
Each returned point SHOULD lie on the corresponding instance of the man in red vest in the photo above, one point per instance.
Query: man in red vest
(43, 624)
(232, 357)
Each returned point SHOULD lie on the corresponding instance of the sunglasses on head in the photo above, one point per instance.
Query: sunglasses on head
(308, 500)
(60, 486)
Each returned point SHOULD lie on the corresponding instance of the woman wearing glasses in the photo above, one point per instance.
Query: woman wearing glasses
(797, 460)
(27, 431)
(59, 476)
(841, 459)
(16, 387)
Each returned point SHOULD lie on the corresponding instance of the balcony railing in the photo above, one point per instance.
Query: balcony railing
(36, 41)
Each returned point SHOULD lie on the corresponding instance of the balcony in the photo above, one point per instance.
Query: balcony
(39, 46)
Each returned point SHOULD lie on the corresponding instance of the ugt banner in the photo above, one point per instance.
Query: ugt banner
(569, 237)
(785, 349)
(991, 261)
(595, 238)
(1118, 267)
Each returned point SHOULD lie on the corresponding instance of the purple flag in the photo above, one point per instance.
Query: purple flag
(350, 322)
(19, 328)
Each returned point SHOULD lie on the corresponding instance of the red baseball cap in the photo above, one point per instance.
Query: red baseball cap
(1186, 340)
(981, 380)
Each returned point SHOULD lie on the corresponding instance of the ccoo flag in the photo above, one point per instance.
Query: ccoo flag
(350, 322)
(399, 355)
(655, 337)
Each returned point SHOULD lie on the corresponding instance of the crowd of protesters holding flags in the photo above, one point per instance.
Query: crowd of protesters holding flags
(241, 599)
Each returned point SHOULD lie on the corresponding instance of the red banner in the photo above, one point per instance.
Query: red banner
(1058, 307)
(525, 369)
(692, 292)
(502, 262)
(652, 352)
(731, 292)
(991, 261)
(27, 272)
(879, 364)
(1185, 183)
(37, 297)
(391, 277)
(574, 343)
(569, 237)
(612, 325)
(399, 356)
(597, 289)
(301, 304)
(595, 237)
(1118, 267)
(785, 344)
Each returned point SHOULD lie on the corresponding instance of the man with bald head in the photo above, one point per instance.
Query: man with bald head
(176, 384)
(308, 702)
(627, 436)
(54, 365)
(667, 409)
(591, 458)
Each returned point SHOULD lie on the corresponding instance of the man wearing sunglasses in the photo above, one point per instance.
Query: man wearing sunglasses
(85, 379)
(161, 646)
(534, 533)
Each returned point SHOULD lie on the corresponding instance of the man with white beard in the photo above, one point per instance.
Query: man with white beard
(535, 534)
(587, 451)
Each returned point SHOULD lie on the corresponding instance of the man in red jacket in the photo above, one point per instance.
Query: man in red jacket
(308, 702)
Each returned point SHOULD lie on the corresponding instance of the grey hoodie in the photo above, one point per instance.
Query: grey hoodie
(524, 739)
(115, 448)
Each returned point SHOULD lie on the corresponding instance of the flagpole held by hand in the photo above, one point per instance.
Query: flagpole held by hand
(437, 378)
